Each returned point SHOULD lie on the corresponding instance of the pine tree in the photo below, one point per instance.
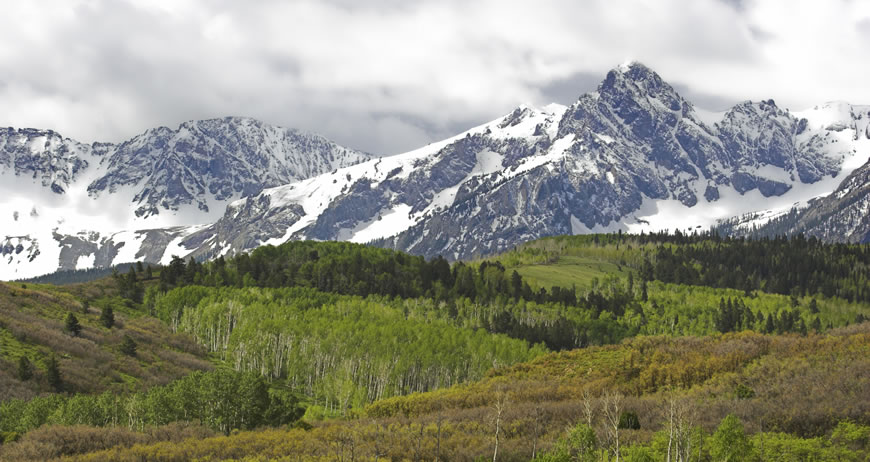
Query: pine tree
(72, 325)
(148, 274)
(86, 306)
(816, 325)
(769, 326)
(643, 291)
(516, 284)
(646, 271)
(107, 317)
(25, 369)
(52, 373)
(128, 346)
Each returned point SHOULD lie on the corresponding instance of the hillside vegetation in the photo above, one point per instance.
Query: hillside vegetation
(602, 347)
(34, 331)
(647, 394)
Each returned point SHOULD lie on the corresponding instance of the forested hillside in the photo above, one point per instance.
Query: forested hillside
(641, 345)
(71, 340)
(726, 397)
(342, 351)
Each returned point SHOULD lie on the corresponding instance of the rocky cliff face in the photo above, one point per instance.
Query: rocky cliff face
(48, 159)
(844, 216)
(841, 216)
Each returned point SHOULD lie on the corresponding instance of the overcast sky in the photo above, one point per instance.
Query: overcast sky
(390, 75)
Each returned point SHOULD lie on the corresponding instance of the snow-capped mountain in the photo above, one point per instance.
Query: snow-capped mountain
(71, 205)
(841, 216)
(633, 155)
(214, 160)
(47, 158)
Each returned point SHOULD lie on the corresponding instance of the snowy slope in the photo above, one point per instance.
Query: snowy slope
(845, 130)
(842, 216)
(384, 196)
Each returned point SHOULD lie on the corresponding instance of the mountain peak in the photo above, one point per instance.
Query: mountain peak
(630, 64)
(633, 75)
(636, 71)
(228, 121)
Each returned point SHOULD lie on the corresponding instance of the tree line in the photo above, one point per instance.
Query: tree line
(489, 296)
(222, 400)
(781, 265)
(355, 269)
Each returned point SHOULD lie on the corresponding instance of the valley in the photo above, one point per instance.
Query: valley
(381, 354)
(380, 231)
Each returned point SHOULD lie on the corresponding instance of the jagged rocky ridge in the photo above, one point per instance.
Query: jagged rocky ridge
(199, 162)
(634, 155)
(609, 161)
(216, 159)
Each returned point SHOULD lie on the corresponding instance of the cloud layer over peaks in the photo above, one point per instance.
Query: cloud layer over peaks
(388, 76)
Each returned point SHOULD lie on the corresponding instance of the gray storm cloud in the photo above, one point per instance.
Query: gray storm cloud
(388, 76)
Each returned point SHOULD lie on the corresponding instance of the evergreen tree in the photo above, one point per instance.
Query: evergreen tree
(128, 346)
(72, 326)
(643, 291)
(190, 271)
(132, 287)
(769, 326)
(86, 306)
(148, 274)
(647, 270)
(722, 317)
(171, 274)
(52, 373)
(25, 369)
(516, 284)
(107, 317)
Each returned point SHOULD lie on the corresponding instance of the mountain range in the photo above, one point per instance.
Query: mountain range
(634, 155)
(70, 205)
